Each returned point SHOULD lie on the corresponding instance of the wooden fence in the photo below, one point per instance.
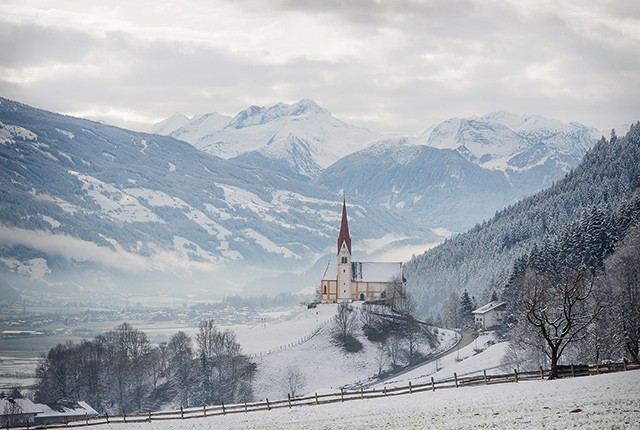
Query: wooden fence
(342, 396)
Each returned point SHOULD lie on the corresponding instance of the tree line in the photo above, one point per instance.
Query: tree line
(122, 372)
(576, 296)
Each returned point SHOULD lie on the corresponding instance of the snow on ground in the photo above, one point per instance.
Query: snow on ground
(264, 338)
(593, 402)
(325, 367)
(482, 354)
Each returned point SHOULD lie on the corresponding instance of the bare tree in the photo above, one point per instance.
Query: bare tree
(225, 373)
(180, 351)
(344, 322)
(294, 380)
(451, 311)
(559, 309)
(623, 275)
(395, 294)
(11, 413)
(393, 345)
(382, 357)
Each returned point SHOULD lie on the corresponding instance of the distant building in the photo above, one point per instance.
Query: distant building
(490, 315)
(19, 411)
(63, 412)
(346, 280)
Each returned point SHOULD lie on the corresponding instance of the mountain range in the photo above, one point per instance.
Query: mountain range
(252, 201)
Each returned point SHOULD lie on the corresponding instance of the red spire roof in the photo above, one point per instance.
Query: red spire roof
(344, 229)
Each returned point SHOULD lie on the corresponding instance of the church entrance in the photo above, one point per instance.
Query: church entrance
(362, 296)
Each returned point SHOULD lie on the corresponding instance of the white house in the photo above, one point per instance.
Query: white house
(346, 280)
(490, 315)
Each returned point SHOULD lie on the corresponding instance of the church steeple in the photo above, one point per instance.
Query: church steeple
(344, 228)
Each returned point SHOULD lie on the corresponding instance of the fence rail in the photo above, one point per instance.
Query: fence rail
(342, 396)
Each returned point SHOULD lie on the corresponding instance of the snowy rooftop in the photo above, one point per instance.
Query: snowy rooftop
(77, 409)
(489, 307)
(25, 406)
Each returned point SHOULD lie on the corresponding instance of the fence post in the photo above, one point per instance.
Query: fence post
(573, 372)
(484, 372)
(361, 393)
(124, 416)
(245, 407)
(515, 372)
(541, 373)
(597, 369)
(455, 377)
(149, 417)
(385, 390)
(204, 408)
(433, 384)
(181, 412)
(106, 415)
(289, 399)
(342, 394)
(268, 407)
(624, 362)
(223, 411)
(410, 388)
(317, 402)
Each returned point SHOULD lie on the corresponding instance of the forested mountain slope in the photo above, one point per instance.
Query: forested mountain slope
(481, 259)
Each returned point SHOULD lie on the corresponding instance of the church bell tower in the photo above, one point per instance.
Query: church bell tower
(344, 257)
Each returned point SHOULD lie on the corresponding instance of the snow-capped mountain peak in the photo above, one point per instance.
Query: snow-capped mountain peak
(509, 142)
(168, 125)
(299, 138)
(255, 115)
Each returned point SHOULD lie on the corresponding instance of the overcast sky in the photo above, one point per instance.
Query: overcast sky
(392, 66)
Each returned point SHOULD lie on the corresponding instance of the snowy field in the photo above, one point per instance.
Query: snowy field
(595, 402)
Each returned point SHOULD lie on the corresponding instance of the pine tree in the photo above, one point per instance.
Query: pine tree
(466, 307)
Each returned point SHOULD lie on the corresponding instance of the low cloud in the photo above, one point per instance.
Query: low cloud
(79, 250)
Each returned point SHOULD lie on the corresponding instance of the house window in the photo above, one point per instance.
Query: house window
(325, 289)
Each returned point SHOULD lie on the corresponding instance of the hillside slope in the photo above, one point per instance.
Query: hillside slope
(85, 206)
(480, 259)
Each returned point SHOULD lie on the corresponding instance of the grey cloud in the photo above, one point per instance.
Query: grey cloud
(451, 58)
(31, 44)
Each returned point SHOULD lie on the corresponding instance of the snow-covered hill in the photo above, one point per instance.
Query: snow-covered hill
(323, 365)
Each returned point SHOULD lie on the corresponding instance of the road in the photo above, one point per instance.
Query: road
(465, 339)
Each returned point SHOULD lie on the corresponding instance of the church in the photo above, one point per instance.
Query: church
(346, 280)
